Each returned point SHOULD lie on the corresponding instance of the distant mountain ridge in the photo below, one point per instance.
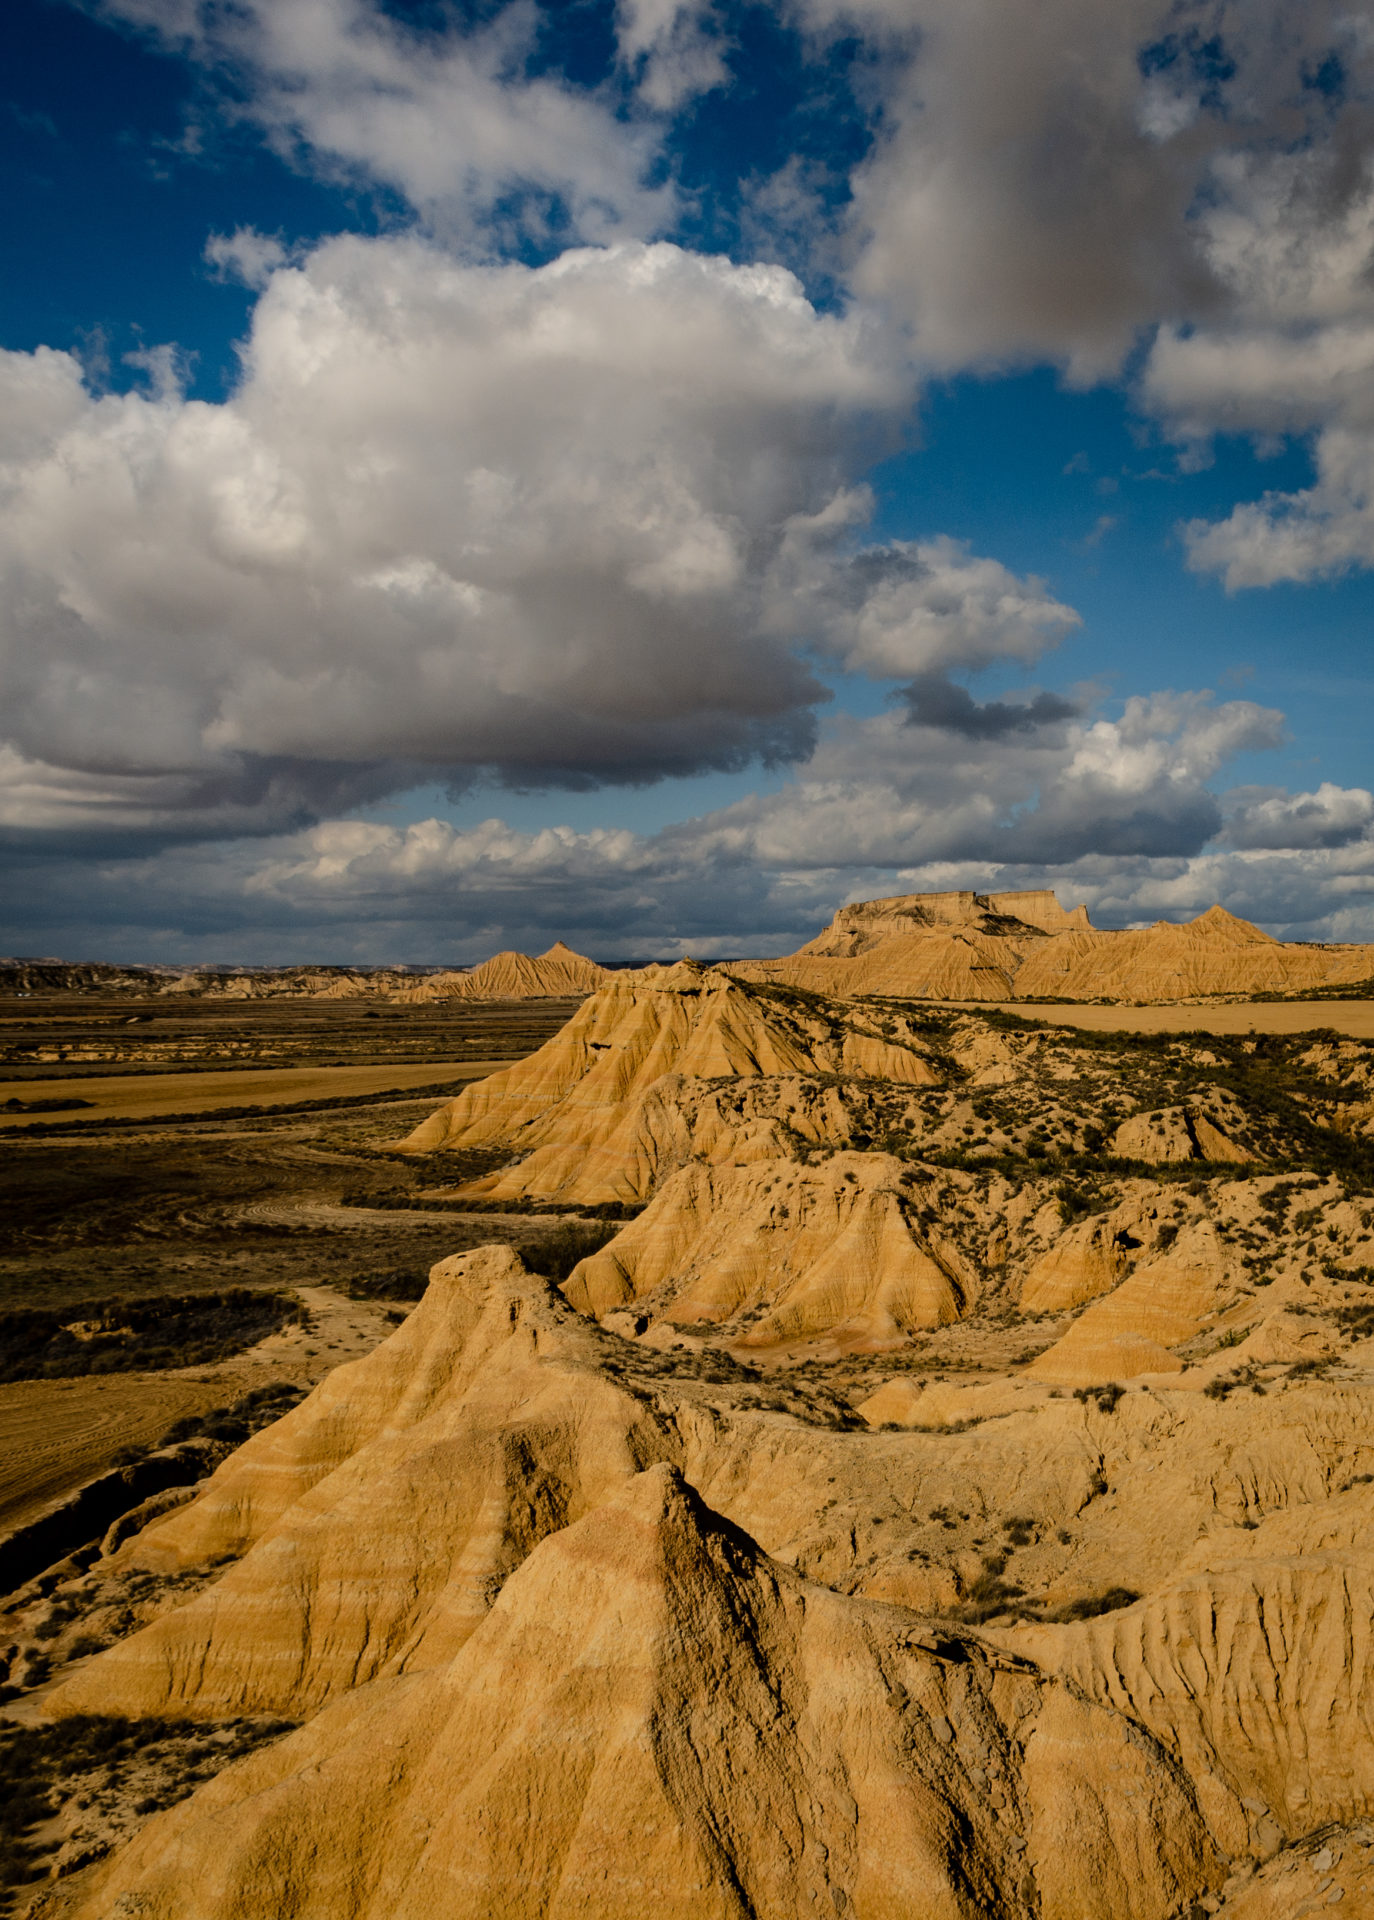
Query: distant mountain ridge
(959, 946)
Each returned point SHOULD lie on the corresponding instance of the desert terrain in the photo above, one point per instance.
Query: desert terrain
(779, 1438)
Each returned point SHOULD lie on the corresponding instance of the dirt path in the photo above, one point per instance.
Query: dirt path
(329, 1215)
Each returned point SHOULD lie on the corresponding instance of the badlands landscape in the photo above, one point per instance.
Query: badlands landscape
(882, 1432)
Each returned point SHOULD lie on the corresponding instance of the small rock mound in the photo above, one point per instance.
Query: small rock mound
(815, 1250)
(1167, 1301)
(1213, 1128)
(555, 975)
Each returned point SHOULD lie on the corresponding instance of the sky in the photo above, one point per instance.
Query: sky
(649, 473)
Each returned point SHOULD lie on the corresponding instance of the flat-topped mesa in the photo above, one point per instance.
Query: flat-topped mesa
(1024, 946)
(860, 926)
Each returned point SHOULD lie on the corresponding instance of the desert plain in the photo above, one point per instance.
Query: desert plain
(882, 1432)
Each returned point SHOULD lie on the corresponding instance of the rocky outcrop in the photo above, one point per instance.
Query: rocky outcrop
(618, 1096)
(971, 947)
(557, 974)
(1168, 1300)
(1214, 954)
(807, 1251)
(912, 1509)
(1255, 1668)
(370, 1528)
(536, 1594)
(1212, 1128)
(859, 928)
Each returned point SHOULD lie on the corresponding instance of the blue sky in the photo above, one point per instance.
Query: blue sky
(647, 474)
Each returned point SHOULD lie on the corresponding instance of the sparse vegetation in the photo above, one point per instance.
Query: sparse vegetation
(240, 1421)
(556, 1253)
(120, 1336)
(43, 1766)
(1105, 1398)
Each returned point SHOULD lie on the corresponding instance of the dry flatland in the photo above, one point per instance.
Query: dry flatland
(152, 1095)
(853, 1455)
(92, 1214)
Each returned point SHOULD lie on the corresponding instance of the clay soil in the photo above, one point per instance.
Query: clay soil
(121, 1201)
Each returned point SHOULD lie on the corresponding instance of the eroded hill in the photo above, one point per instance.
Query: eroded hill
(950, 1492)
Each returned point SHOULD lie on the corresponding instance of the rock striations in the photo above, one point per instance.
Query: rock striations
(626, 1088)
(573, 1650)
(948, 1491)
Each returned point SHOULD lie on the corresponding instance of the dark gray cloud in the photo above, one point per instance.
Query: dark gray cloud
(933, 701)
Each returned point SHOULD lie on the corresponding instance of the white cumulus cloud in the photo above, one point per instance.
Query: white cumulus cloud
(573, 523)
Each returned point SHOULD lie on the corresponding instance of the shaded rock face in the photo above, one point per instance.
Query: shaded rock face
(530, 1606)
(547, 1665)
(644, 1670)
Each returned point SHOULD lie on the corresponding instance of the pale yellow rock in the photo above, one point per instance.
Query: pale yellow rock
(585, 1619)
(966, 946)
(905, 1402)
(608, 1746)
(1096, 1354)
(378, 1518)
(1331, 1872)
(826, 1250)
(867, 921)
(1168, 1300)
(1256, 1671)
(1086, 1260)
(937, 965)
(1215, 1130)
(1214, 954)
(595, 1113)
(557, 974)
(1282, 1336)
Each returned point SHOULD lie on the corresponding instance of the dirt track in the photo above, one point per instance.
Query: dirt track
(54, 1434)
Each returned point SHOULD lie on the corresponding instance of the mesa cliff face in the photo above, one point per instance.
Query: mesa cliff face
(1024, 946)
(949, 1492)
